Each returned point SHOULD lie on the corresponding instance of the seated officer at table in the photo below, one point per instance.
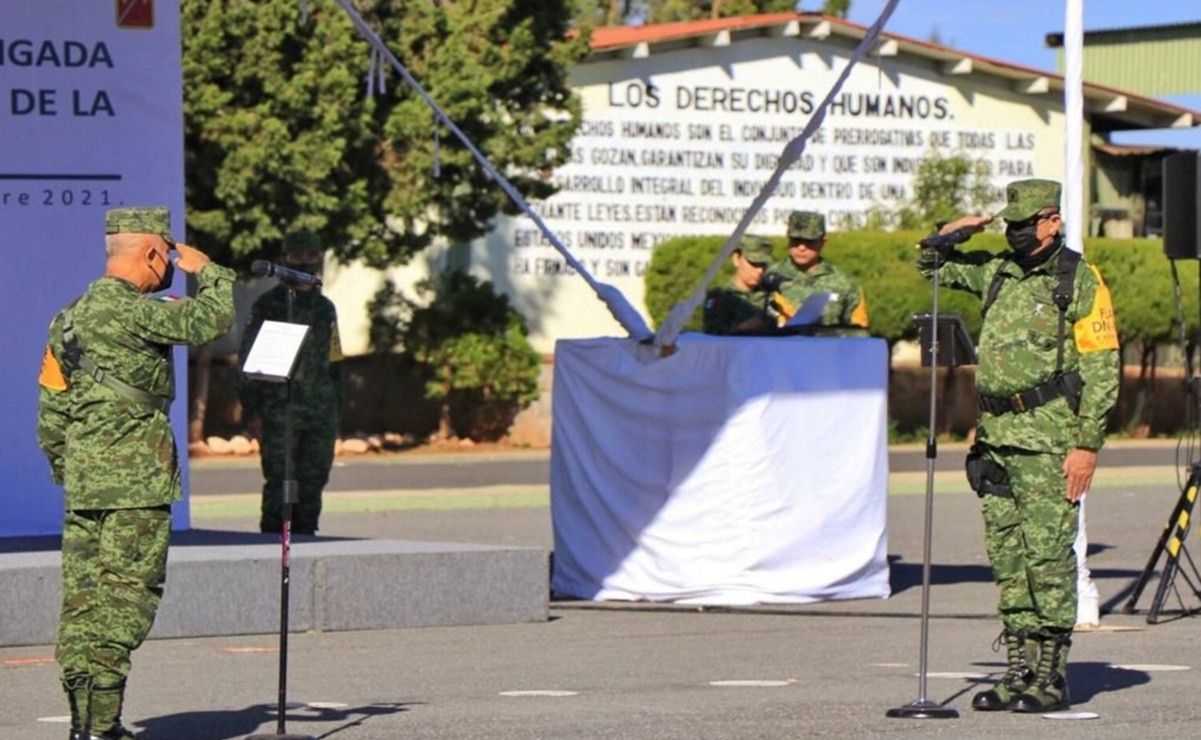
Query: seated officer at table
(805, 273)
(738, 308)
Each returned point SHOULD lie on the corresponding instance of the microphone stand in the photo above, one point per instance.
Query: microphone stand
(290, 499)
(923, 708)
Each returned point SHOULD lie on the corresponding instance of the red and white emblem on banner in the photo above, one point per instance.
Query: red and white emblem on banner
(135, 13)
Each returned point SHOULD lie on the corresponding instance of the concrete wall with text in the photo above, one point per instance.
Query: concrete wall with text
(680, 143)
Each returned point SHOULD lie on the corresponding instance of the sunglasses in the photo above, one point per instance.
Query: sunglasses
(1033, 220)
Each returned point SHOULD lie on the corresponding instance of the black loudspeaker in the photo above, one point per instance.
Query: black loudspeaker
(1181, 208)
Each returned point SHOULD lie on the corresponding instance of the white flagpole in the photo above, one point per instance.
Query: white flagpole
(1074, 215)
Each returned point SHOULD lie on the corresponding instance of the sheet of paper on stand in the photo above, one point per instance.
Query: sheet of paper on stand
(275, 349)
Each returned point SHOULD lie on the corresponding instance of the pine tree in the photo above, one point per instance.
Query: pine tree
(281, 133)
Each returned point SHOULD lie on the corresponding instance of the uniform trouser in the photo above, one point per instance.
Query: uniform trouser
(114, 566)
(312, 457)
(1029, 538)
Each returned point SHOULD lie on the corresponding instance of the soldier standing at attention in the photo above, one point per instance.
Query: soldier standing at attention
(737, 308)
(106, 384)
(1048, 377)
(316, 393)
(806, 273)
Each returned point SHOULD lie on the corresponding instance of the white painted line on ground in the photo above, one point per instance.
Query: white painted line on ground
(539, 692)
(889, 665)
(956, 674)
(754, 683)
(56, 720)
(1071, 715)
(1153, 667)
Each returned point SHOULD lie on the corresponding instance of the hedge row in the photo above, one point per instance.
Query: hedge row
(1137, 272)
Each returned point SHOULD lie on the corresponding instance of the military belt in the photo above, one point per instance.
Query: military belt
(137, 395)
(1066, 385)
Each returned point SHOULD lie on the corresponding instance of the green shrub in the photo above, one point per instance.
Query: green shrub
(1136, 271)
(471, 346)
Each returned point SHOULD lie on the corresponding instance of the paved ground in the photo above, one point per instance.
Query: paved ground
(638, 671)
(421, 471)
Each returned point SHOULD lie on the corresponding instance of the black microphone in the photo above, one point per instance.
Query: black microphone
(942, 241)
(771, 282)
(284, 274)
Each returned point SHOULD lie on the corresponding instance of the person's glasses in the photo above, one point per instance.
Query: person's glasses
(1032, 221)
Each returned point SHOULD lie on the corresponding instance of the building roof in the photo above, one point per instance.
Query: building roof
(1101, 35)
(1108, 108)
(1134, 150)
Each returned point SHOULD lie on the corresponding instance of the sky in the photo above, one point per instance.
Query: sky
(1015, 31)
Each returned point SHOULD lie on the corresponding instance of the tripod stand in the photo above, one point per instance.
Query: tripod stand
(1171, 542)
(1175, 532)
(945, 342)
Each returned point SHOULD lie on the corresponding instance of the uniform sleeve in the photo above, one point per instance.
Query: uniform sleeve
(248, 390)
(1096, 337)
(856, 310)
(714, 320)
(53, 412)
(968, 271)
(196, 320)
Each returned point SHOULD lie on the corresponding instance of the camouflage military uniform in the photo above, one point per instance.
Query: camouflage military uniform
(729, 307)
(316, 400)
(1030, 524)
(107, 379)
(847, 306)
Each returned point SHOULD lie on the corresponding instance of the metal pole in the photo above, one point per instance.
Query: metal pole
(290, 498)
(923, 708)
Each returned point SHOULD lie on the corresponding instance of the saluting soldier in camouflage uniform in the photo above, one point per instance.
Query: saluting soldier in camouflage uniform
(806, 273)
(316, 393)
(106, 384)
(737, 308)
(1048, 377)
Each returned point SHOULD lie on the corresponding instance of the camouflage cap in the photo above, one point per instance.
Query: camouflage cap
(301, 240)
(806, 225)
(1025, 198)
(755, 249)
(140, 220)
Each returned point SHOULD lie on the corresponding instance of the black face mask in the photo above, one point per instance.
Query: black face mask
(166, 278)
(1023, 238)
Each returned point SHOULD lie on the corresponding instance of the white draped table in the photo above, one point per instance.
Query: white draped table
(736, 471)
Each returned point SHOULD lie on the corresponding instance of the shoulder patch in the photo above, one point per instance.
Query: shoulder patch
(335, 343)
(1099, 330)
(859, 315)
(51, 378)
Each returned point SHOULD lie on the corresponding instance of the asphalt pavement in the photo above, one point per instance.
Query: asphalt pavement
(425, 471)
(661, 672)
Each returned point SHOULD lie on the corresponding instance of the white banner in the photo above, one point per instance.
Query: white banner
(91, 116)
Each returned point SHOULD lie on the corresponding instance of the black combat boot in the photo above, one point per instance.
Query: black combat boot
(105, 714)
(1049, 692)
(116, 732)
(78, 689)
(1017, 678)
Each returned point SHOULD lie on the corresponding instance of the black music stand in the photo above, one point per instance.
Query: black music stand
(272, 358)
(945, 342)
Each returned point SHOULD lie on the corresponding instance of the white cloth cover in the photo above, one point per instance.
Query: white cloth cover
(736, 471)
